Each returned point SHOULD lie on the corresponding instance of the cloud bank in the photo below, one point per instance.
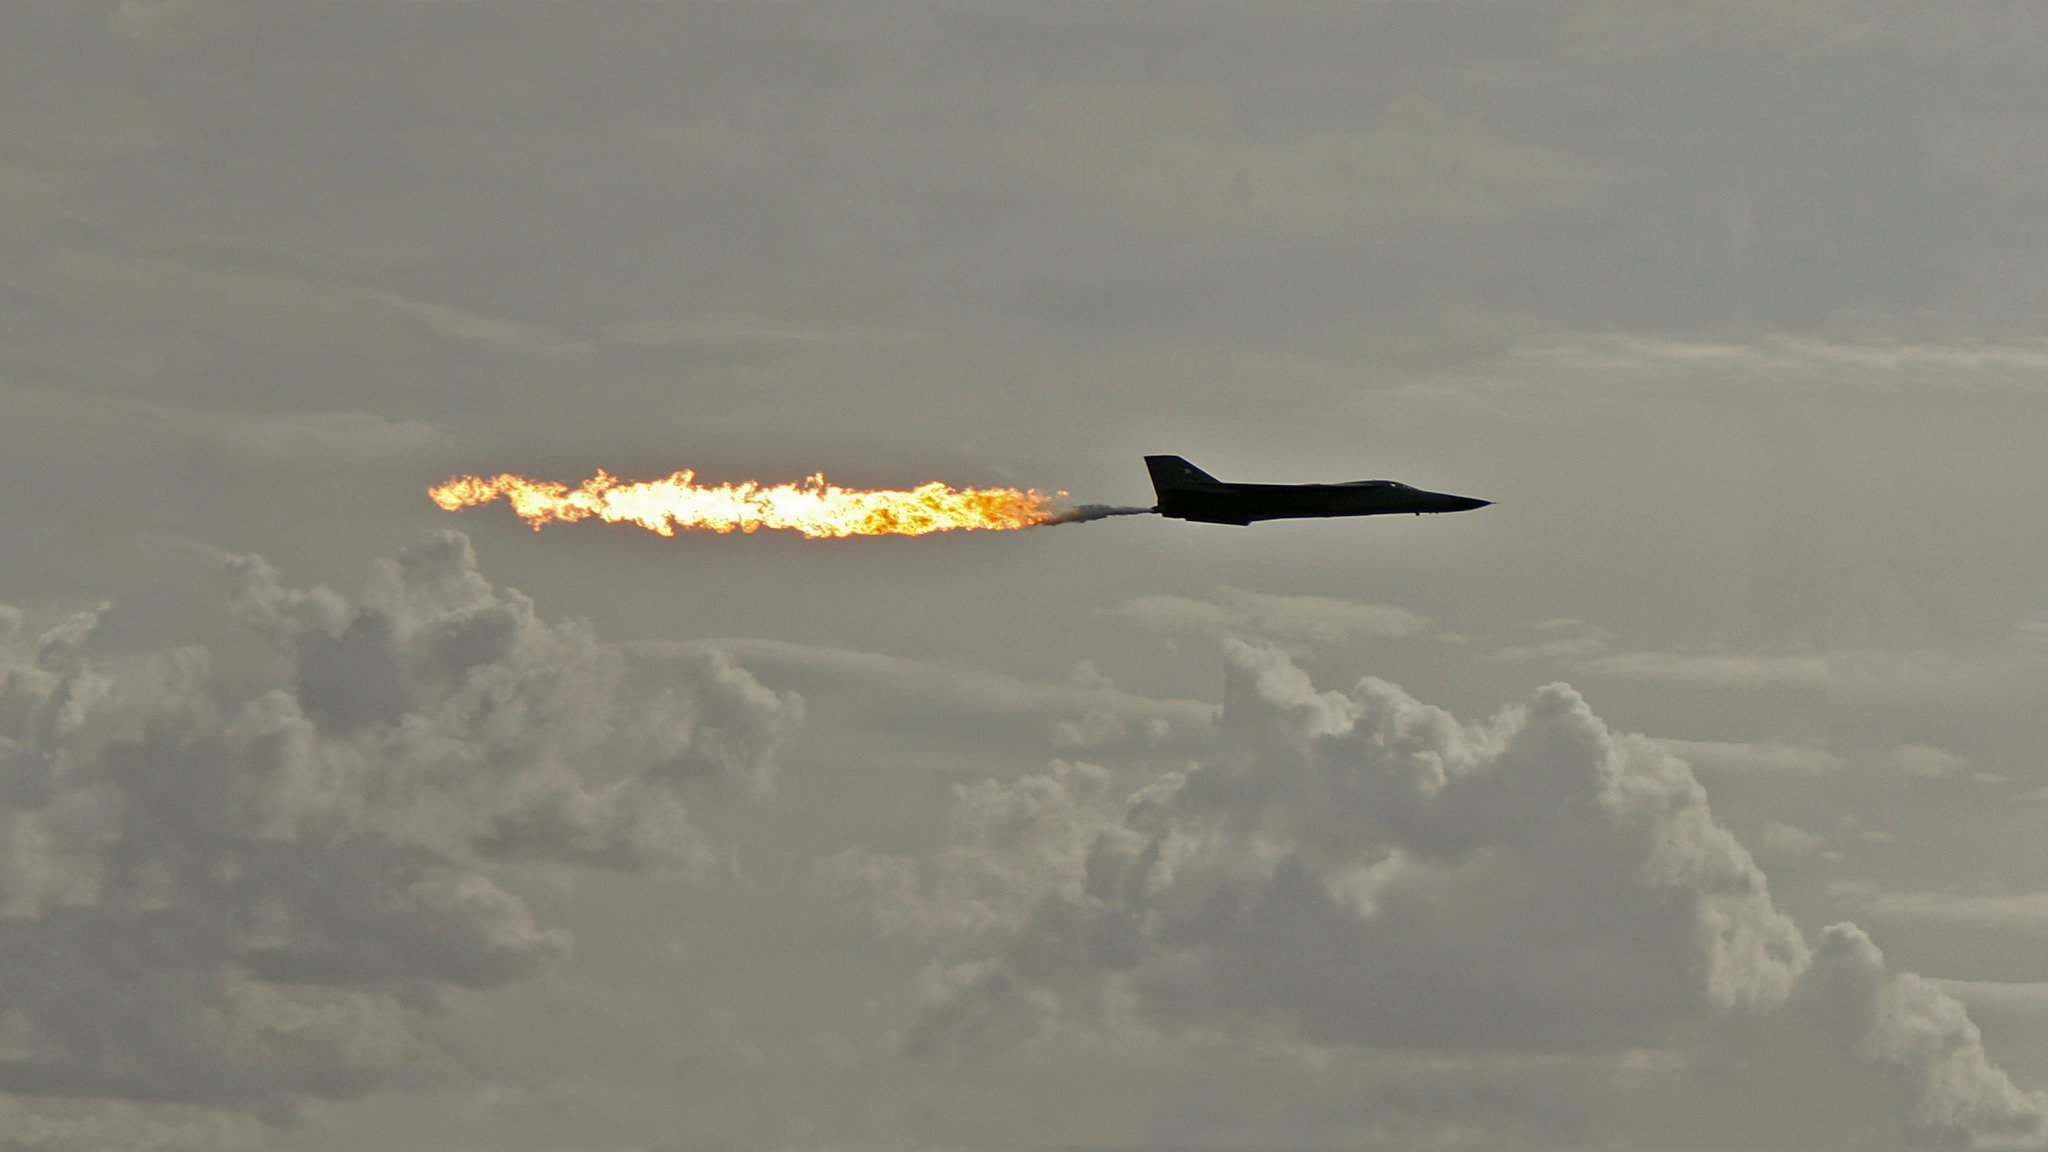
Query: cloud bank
(233, 879)
(1365, 872)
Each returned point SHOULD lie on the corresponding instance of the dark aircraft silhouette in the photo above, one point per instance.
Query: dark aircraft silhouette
(1188, 493)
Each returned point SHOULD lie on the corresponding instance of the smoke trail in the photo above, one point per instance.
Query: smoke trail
(1081, 514)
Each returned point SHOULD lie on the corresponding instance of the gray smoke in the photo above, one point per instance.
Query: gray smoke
(1086, 512)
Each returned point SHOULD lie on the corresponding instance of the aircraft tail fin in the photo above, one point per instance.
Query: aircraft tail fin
(1170, 472)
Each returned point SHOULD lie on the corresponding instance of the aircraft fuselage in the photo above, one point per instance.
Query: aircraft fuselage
(1187, 493)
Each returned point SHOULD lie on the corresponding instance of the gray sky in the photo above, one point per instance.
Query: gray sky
(1689, 797)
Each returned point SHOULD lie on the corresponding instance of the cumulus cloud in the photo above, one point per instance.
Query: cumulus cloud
(1923, 1039)
(233, 879)
(1364, 871)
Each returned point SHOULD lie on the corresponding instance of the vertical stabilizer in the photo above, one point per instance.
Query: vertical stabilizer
(1171, 472)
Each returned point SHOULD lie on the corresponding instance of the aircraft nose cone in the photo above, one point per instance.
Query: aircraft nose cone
(1448, 503)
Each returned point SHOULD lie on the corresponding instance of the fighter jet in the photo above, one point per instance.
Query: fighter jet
(1188, 493)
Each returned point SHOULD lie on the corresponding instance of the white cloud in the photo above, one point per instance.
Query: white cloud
(1366, 872)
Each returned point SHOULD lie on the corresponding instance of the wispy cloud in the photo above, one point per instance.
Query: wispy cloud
(1800, 671)
(1791, 759)
(1236, 612)
(1086, 713)
(1776, 363)
(750, 329)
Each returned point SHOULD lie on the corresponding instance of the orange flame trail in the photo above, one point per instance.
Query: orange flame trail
(813, 507)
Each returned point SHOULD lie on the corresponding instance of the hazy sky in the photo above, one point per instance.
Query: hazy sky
(1691, 796)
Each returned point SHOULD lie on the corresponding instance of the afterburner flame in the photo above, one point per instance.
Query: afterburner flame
(813, 507)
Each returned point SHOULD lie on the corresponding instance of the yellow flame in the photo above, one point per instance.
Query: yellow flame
(813, 507)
